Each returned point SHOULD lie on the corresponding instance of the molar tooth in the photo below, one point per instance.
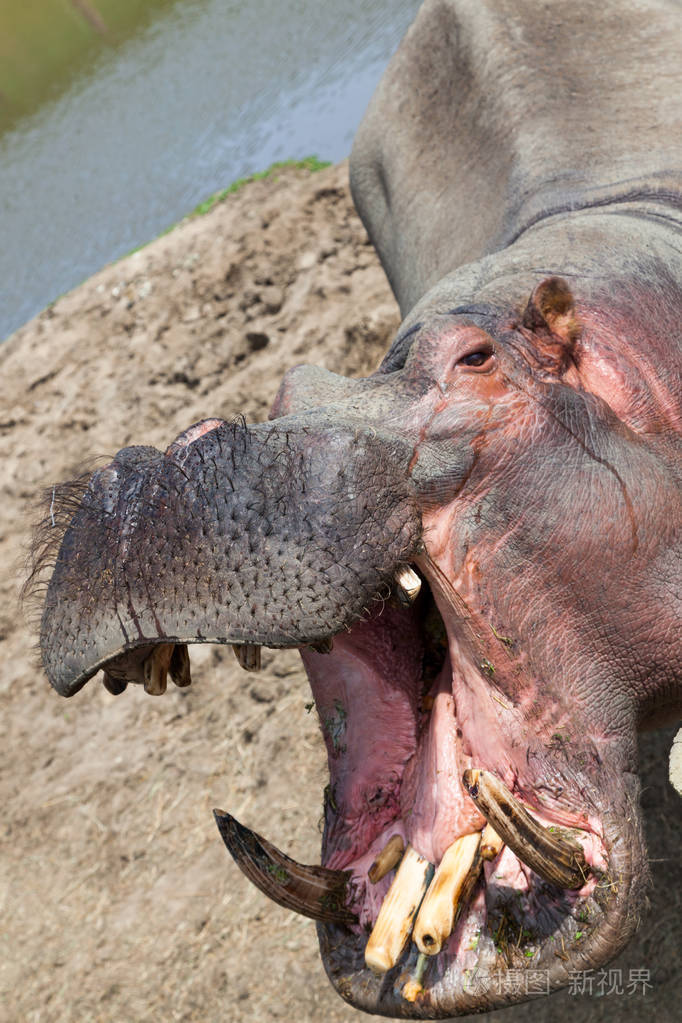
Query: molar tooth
(436, 918)
(394, 922)
(179, 666)
(248, 655)
(388, 858)
(408, 584)
(491, 843)
(312, 891)
(555, 858)
(155, 669)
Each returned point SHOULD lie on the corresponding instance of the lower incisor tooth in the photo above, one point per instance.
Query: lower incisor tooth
(394, 923)
(408, 585)
(436, 917)
(491, 843)
(388, 858)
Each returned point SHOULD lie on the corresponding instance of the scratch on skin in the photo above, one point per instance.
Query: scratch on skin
(610, 468)
(588, 451)
(422, 437)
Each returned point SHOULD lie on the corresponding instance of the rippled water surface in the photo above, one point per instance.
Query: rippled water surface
(148, 107)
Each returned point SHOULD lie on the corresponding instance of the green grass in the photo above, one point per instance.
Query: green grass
(309, 163)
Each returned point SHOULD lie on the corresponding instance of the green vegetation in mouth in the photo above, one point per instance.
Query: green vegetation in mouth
(336, 726)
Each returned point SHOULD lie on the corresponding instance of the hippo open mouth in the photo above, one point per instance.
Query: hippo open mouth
(477, 844)
(441, 890)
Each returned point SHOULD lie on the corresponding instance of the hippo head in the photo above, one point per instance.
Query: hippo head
(465, 550)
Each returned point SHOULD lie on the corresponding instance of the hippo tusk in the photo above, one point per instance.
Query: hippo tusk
(554, 858)
(324, 646)
(393, 926)
(407, 585)
(312, 891)
(115, 686)
(491, 843)
(389, 857)
(436, 918)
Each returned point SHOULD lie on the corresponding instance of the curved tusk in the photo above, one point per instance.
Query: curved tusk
(554, 858)
(309, 890)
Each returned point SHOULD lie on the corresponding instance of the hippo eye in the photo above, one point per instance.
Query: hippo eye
(477, 360)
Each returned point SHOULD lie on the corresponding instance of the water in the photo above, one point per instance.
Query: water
(207, 92)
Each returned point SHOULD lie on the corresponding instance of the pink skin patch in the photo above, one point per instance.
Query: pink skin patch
(366, 697)
(434, 805)
(191, 434)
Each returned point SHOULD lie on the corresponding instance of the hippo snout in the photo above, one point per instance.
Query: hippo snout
(162, 546)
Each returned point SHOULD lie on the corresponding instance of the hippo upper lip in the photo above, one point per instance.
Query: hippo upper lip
(150, 548)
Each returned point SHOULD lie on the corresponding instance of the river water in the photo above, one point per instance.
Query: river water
(202, 92)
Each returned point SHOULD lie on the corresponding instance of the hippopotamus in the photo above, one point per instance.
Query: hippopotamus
(476, 548)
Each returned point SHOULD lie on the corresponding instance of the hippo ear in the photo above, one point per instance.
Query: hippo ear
(551, 316)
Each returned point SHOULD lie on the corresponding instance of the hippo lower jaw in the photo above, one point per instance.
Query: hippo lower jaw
(514, 934)
(408, 707)
(393, 699)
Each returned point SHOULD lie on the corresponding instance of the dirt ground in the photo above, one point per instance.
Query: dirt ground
(118, 899)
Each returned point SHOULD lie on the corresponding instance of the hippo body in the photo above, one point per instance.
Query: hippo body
(517, 455)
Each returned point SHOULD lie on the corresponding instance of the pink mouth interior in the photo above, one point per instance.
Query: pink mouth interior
(403, 717)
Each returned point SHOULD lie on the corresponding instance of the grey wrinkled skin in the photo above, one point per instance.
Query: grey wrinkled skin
(155, 548)
(513, 149)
